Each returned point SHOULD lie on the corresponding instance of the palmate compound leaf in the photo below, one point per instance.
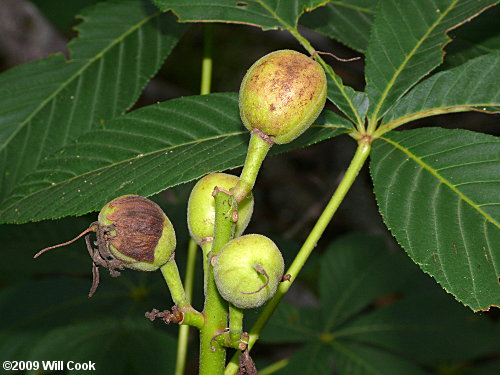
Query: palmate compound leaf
(378, 314)
(439, 193)
(45, 104)
(473, 85)
(144, 152)
(406, 43)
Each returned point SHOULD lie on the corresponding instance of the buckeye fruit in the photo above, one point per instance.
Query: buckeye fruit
(282, 94)
(201, 206)
(248, 270)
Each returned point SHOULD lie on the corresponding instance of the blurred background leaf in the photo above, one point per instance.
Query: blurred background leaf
(379, 314)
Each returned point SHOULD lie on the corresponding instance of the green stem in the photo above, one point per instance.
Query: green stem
(212, 354)
(171, 275)
(257, 151)
(357, 163)
(182, 340)
(206, 64)
(206, 247)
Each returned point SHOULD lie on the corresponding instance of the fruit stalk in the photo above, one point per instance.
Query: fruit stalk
(362, 152)
(257, 151)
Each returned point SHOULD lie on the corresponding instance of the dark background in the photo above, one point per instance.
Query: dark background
(290, 194)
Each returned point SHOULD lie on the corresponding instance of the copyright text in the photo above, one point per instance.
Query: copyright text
(48, 365)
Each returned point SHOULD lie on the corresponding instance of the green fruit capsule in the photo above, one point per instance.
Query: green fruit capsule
(282, 94)
(138, 232)
(201, 206)
(248, 270)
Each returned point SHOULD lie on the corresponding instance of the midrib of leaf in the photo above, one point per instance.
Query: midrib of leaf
(354, 7)
(305, 43)
(407, 59)
(427, 113)
(442, 179)
(77, 74)
(124, 161)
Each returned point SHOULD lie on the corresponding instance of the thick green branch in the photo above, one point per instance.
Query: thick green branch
(212, 354)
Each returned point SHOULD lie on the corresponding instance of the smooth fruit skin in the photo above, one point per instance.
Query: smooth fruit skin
(235, 271)
(282, 94)
(143, 237)
(201, 206)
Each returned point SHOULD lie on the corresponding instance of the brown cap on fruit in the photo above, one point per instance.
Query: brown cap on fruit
(138, 223)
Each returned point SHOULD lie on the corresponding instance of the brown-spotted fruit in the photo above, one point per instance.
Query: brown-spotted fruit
(248, 270)
(282, 94)
(201, 206)
(138, 232)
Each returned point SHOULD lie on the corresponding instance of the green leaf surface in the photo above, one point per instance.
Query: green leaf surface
(438, 192)
(349, 22)
(406, 43)
(145, 152)
(312, 359)
(352, 358)
(115, 347)
(268, 14)
(47, 103)
(379, 314)
(291, 324)
(353, 104)
(400, 328)
(474, 85)
(478, 37)
(366, 257)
